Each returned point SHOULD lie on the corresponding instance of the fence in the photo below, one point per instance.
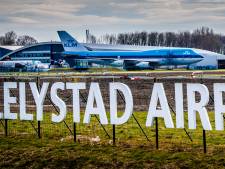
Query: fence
(134, 132)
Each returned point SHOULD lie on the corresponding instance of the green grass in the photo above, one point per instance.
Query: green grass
(32, 153)
(56, 149)
(70, 72)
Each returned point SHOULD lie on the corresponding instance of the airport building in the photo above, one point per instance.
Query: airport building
(45, 52)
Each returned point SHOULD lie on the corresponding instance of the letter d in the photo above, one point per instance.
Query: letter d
(114, 119)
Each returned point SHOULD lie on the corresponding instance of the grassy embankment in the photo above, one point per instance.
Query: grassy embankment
(56, 149)
(106, 71)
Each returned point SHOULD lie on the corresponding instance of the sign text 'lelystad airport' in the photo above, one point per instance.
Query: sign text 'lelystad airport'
(158, 104)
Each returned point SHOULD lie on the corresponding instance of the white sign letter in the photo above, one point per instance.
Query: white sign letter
(22, 96)
(219, 88)
(114, 119)
(58, 102)
(158, 93)
(76, 99)
(194, 107)
(8, 100)
(179, 105)
(39, 98)
(95, 95)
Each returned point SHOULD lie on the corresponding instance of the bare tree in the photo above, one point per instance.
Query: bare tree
(120, 39)
(187, 39)
(9, 38)
(25, 40)
(170, 39)
(143, 38)
(152, 38)
(92, 39)
(161, 39)
(2, 40)
(202, 38)
(112, 39)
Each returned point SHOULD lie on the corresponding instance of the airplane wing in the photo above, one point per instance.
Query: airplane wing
(141, 63)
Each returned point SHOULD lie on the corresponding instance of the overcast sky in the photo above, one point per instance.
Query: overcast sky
(42, 18)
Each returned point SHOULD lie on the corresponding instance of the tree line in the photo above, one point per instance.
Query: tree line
(202, 38)
(11, 38)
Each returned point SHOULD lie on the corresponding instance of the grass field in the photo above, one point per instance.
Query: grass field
(94, 149)
(56, 149)
(32, 153)
(106, 71)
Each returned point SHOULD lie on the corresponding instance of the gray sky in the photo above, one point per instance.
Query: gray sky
(42, 18)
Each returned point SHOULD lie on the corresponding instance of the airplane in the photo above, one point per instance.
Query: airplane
(128, 59)
(25, 64)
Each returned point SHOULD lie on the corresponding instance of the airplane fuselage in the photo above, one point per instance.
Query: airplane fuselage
(159, 56)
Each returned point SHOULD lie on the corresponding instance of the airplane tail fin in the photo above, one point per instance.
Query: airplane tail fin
(69, 43)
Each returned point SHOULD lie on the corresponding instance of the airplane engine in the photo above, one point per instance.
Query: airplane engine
(130, 65)
(145, 65)
(117, 63)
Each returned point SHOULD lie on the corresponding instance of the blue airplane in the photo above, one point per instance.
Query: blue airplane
(128, 59)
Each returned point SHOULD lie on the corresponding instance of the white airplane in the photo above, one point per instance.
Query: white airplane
(26, 64)
(141, 59)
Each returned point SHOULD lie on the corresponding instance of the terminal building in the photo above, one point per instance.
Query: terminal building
(45, 52)
(52, 53)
